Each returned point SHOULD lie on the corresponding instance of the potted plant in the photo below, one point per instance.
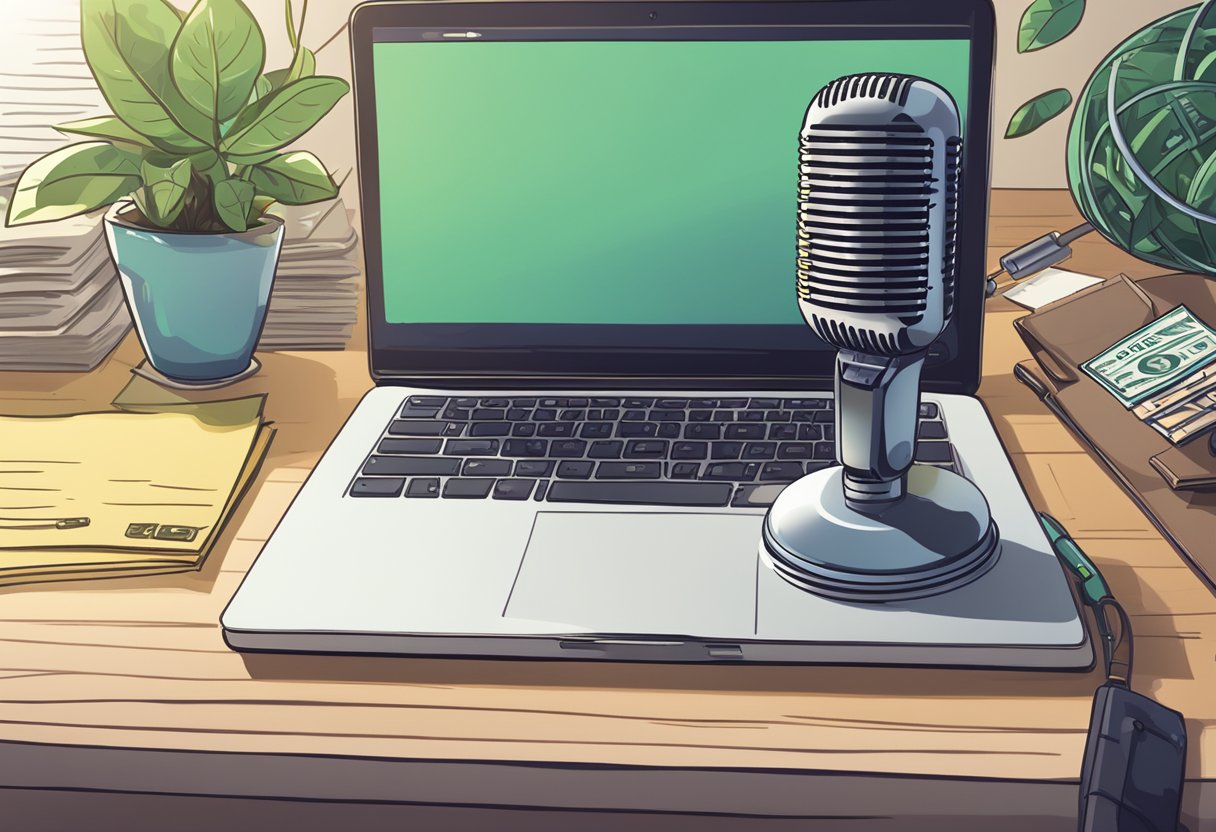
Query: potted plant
(190, 160)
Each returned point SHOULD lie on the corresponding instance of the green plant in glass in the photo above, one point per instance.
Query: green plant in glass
(198, 132)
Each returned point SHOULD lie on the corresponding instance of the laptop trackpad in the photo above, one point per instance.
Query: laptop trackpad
(655, 574)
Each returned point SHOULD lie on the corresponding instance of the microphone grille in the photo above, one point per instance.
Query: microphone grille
(893, 88)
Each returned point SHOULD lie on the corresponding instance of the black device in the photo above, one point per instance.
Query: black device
(1135, 754)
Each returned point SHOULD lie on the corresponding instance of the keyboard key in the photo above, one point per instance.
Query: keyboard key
(487, 414)
(595, 430)
(401, 427)
(525, 447)
(783, 432)
(736, 471)
(427, 487)
(377, 487)
(738, 431)
(668, 430)
(534, 468)
(513, 489)
(726, 450)
(544, 415)
(764, 404)
(575, 469)
(637, 429)
(778, 416)
(750, 416)
(710, 403)
(528, 403)
(933, 452)
(458, 413)
(541, 487)
(517, 414)
(732, 404)
(724, 416)
(471, 447)
(690, 450)
(685, 470)
(809, 433)
(568, 448)
(409, 446)
(639, 402)
(781, 471)
(490, 429)
(605, 402)
(606, 449)
(495, 403)
(463, 489)
(466, 403)
(756, 496)
(524, 429)
(641, 493)
(928, 410)
(576, 402)
(796, 450)
(562, 429)
(825, 450)
(452, 429)
(822, 416)
(931, 430)
(486, 468)
(805, 404)
(646, 449)
(678, 404)
(634, 416)
(759, 450)
(572, 415)
(700, 415)
(658, 415)
(629, 470)
(829, 432)
(408, 466)
(702, 431)
(426, 401)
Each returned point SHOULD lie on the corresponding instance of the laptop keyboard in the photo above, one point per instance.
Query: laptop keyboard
(617, 450)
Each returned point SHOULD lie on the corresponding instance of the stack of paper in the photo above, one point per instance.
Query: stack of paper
(48, 81)
(142, 491)
(316, 288)
(61, 304)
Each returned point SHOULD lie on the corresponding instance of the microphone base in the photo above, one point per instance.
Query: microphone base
(939, 537)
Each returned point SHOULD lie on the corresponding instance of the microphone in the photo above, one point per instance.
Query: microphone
(877, 221)
(878, 205)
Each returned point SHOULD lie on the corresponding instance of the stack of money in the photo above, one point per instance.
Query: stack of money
(61, 304)
(315, 299)
(1165, 374)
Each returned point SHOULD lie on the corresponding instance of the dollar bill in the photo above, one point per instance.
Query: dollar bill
(1153, 358)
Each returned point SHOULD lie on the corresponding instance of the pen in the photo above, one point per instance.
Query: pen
(1093, 587)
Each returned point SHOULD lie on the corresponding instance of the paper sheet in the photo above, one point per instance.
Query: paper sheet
(154, 484)
(1049, 286)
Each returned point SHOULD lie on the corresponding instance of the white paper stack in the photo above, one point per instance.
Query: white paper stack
(61, 305)
(316, 289)
(44, 81)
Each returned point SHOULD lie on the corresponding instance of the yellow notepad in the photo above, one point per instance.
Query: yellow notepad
(99, 494)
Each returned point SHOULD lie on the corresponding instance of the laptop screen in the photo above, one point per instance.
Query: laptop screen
(551, 193)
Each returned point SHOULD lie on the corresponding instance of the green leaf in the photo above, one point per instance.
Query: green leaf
(73, 180)
(217, 57)
(1047, 21)
(126, 44)
(1036, 112)
(233, 200)
(166, 190)
(294, 179)
(284, 116)
(259, 207)
(110, 128)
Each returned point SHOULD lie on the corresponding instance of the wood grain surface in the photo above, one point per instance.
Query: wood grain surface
(92, 671)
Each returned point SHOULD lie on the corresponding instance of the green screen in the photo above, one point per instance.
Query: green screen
(605, 182)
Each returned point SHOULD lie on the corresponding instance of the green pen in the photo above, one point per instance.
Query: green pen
(1093, 588)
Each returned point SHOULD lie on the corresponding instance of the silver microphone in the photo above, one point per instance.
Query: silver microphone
(877, 221)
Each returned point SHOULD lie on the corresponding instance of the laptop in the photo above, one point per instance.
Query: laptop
(591, 375)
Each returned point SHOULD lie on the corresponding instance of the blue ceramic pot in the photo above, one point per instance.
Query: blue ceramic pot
(198, 300)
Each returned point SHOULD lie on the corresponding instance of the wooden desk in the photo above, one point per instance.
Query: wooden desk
(121, 705)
